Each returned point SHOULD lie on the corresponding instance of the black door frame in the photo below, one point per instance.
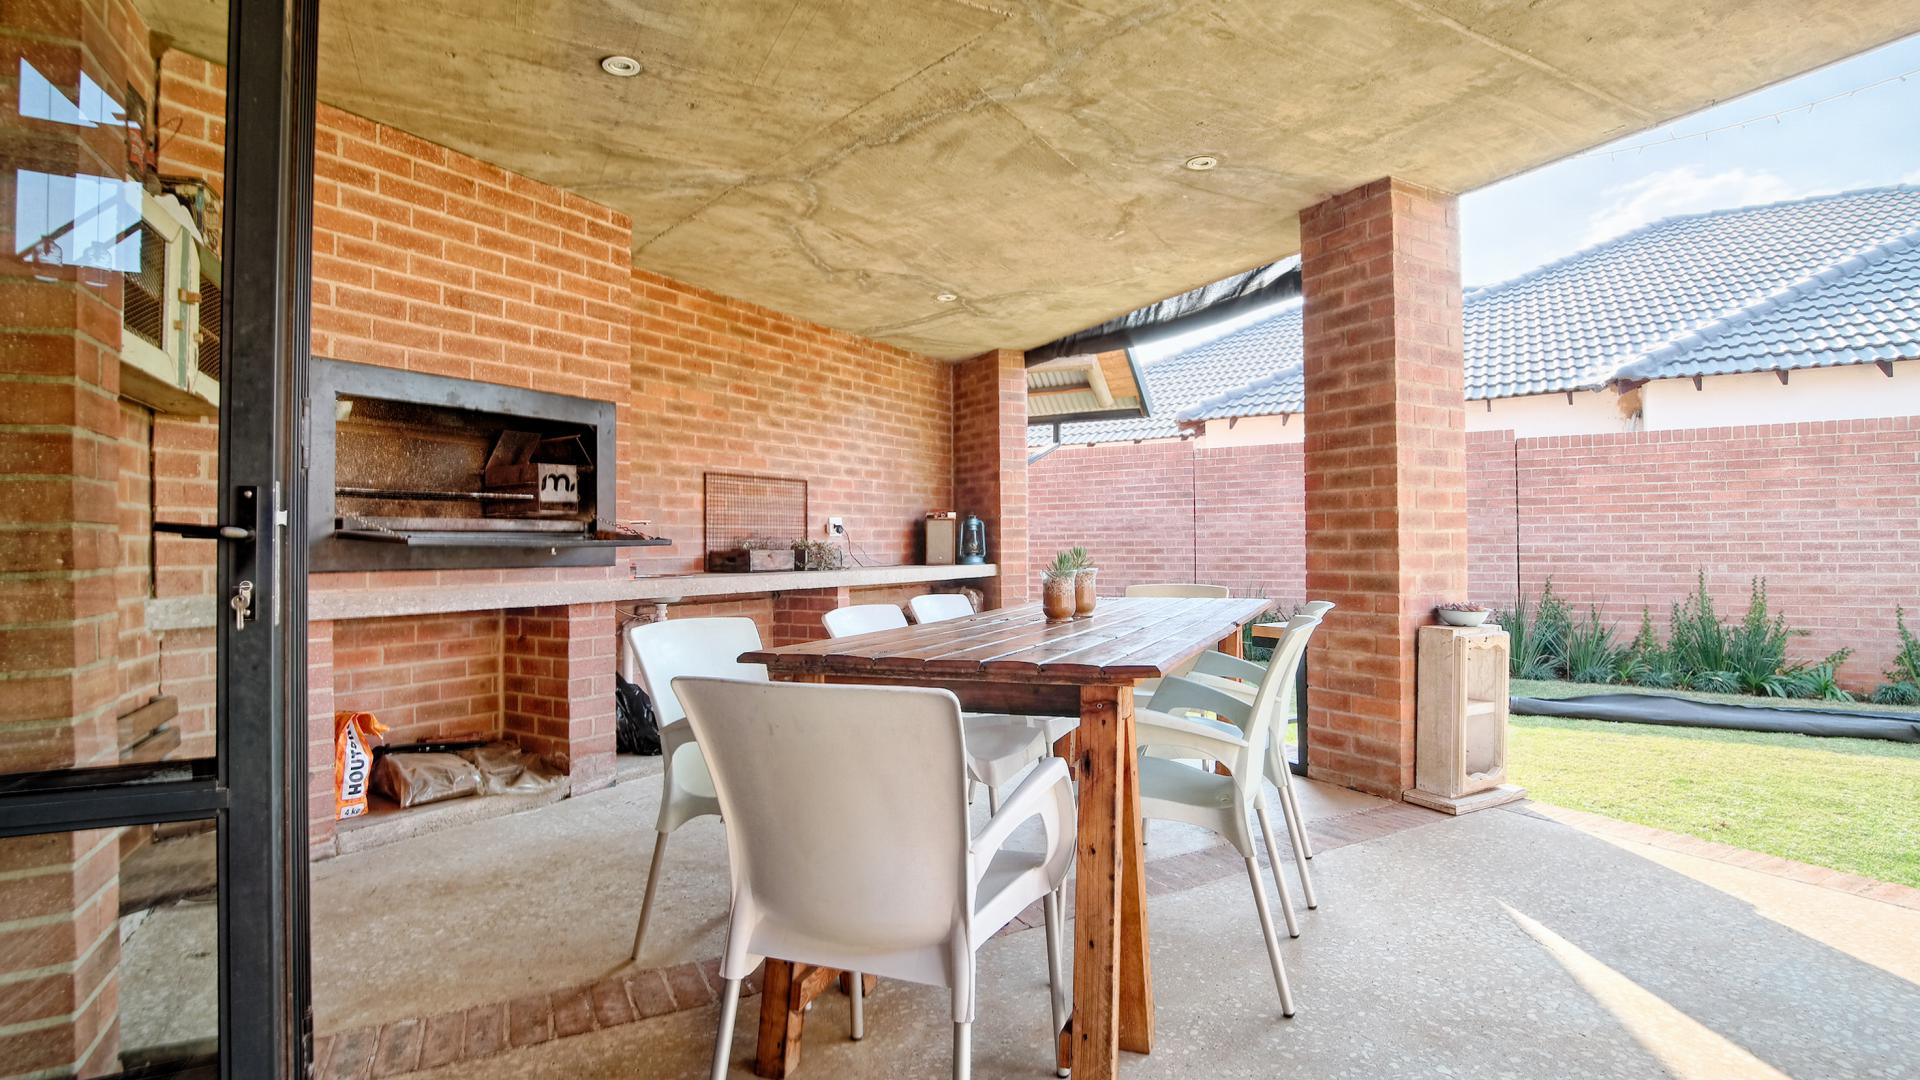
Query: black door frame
(255, 786)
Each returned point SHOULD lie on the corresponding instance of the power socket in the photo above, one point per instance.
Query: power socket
(836, 527)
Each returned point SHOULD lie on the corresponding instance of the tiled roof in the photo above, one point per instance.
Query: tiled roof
(1183, 379)
(1819, 282)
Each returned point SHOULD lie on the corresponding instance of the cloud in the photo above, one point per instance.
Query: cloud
(1683, 190)
(1911, 178)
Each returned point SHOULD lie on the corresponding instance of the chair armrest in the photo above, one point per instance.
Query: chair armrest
(1214, 662)
(1046, 793)
(1206, 738)
(1175, 693)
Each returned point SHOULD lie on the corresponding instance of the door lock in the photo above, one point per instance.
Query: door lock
(242, 604)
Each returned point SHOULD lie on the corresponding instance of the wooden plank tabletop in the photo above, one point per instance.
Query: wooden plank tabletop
(1126, 638)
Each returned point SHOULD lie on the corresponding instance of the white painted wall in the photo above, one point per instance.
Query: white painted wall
(1858, 392)
(1591, 412)
(1253, 431)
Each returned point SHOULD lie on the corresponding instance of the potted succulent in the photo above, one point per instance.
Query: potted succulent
(1459, 614)
(1056, 586)
(1083, 577)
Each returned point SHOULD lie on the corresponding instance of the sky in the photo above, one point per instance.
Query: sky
(1870, 138)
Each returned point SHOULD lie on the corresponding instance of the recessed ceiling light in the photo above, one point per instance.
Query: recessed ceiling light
(1201, 163)
(623, 67)
(946, 297)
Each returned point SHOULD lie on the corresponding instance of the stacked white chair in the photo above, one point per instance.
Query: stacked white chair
(876, 870)
(662, 651)
(999, 745)
(1175, 790)
(939, 607)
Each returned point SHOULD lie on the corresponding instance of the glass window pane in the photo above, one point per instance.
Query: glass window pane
(108, 951)
(110, 375)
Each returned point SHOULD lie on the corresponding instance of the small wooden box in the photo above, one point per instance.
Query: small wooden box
(1460, 747)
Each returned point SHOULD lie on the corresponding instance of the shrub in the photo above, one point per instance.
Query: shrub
(1903, 678)
(1643, 659)
(1696, 640)
(1590, 653)
(1819, 680)
(1537, 636)
(1756, 650)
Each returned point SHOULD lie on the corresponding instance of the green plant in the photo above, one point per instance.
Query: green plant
(817, 555)
(1079, 557)
(1819, 680)
(1064, 565)
(1697, 642)
(1756, 650)
(1903, 678)
(1536, 635)
(1634, 664)
(1590, 653)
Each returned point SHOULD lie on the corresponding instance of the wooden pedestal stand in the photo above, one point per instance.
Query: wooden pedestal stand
(1460, 751)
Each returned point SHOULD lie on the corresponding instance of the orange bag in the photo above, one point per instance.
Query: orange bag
(354, 734)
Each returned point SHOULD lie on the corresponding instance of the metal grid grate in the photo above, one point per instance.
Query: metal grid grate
(143, 305)
(740, 507)
(209, 328)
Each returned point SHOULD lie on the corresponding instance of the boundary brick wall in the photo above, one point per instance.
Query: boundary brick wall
(1828, 512)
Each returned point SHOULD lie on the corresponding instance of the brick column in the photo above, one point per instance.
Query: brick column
(990, 463)
(1385, 464)
(796, 614)
(558, 668)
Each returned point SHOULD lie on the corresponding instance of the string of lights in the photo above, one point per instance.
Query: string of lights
(1776, 117)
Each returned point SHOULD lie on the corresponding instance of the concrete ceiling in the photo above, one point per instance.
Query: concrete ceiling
(848, 161)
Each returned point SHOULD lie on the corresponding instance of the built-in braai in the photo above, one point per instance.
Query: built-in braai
(409, 471)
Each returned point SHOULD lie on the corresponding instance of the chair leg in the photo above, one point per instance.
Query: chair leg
(1297, 831)
(1056, 993)
(857, 1002)
(962, 1052)
(1273, 942)
(1273, 859)
(723, 1041)
(993, 800)
(653, 882)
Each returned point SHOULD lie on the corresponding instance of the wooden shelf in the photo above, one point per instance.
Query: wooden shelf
(1482, 708)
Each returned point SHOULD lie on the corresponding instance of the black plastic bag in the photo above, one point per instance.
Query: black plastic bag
(636, 729)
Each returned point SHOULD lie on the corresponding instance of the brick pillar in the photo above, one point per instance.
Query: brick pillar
(558, 668)
(990, 463)
(59, 953)
(320, 793)
(796, 614)
(1385, 464)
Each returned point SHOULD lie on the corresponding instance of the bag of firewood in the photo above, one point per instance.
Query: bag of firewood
(354, 736)
(636, 730)
(412, 779)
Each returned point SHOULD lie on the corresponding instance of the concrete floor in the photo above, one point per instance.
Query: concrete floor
(492, 910)
(1502, 944)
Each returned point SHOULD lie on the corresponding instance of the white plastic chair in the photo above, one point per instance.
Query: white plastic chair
(660, 652)
(999, 745)
(939, 607)
(873, 870)
(1173, 790)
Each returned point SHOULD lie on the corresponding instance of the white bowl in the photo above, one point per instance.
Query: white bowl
(1463, 618)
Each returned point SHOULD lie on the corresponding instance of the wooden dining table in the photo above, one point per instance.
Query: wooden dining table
(1013, 660)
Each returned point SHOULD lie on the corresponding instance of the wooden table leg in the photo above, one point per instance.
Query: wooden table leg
(787, 988)
(1231, 645)
(1111, 980)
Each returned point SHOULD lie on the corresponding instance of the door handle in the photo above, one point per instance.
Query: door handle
(203, 532)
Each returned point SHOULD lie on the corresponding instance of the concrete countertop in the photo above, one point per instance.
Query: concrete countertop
(327, 604)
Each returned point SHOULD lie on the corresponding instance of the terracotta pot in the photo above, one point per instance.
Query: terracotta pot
(1083, 595)
(1056, 598)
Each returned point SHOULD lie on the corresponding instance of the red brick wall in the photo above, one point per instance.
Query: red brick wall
(1250, 526)
(1827, 512)
(428, 678)
(722, 385)
(558, 687)
(1130, 505)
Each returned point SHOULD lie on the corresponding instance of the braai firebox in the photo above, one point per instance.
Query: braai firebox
(409, 471)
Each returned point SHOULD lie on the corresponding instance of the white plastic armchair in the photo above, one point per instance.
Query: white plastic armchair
(662, 651)
(1174, 790)
(875, 872)
(999, 745)
(939, 607)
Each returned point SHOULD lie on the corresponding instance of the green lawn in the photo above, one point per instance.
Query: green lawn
(1851, 804)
